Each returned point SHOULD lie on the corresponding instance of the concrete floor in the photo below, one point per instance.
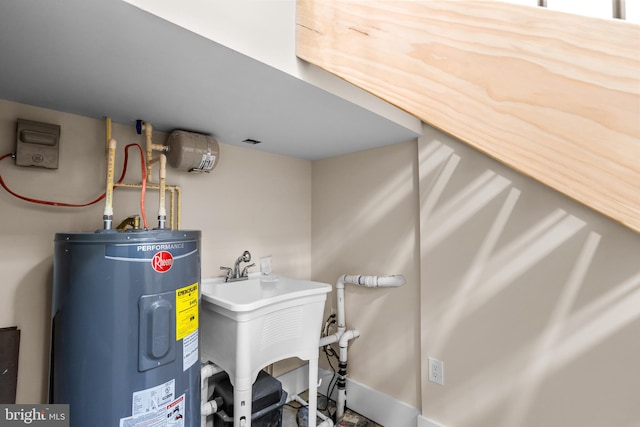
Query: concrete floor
(290, 411)
(350, 419)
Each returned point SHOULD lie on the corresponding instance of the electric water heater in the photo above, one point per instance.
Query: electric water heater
(125, 328)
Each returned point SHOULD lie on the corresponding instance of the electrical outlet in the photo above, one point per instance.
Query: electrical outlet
(436, 371)
(265, 265)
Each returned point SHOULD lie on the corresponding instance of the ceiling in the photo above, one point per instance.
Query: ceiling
(108, 58)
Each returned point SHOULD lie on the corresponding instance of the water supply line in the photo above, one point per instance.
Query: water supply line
(149, 145)
(162, 211)
(107, 217)
(162, 160)
(108, 128)
(111, 184)
(175, 192)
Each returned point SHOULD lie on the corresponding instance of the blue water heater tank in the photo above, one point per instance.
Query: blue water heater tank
(125, 328)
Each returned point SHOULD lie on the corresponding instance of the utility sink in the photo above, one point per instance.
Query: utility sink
(258, 292)
(250, 324)
(247, 325)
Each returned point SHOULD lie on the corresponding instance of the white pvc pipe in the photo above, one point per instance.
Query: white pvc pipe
(207, 407)
(342, 335)
(342, 393)
(368, 281)
(340, 301)
(329, 339)
(344, 342)
(375, 281)
(360, 280)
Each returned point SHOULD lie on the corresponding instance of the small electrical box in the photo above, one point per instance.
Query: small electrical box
(37, 144)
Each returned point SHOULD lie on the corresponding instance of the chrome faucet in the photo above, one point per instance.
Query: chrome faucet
(234, 274)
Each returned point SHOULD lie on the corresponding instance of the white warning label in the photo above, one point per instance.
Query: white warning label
(151, 399)
(169, 415)
(189, 350)
(207, 162)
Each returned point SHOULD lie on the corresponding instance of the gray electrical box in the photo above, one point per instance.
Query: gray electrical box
(37, 144)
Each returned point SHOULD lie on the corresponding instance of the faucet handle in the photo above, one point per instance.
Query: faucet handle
(229, 273)
(245, 270)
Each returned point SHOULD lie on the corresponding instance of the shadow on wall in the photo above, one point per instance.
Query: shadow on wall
(529, 298)
(33, 316)
(365, 222)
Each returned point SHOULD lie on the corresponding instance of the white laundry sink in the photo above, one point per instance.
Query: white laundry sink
(250, 324)
(258, 292)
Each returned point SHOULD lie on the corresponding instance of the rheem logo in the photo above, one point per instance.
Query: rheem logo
(162, 261)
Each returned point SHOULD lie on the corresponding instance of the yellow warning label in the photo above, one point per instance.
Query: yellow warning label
(186, 311)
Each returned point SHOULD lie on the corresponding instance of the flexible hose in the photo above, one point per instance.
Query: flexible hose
(143, 171)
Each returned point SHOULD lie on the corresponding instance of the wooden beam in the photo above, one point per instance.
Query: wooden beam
(553, 95)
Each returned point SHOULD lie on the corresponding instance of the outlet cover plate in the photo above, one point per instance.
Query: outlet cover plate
(436, 371)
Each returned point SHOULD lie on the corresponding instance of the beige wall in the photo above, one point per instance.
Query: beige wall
(365, 222)
(530, 299)
(252, 200)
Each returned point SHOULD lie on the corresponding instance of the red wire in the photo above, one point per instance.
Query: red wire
(143, 172)
(45, 202)
(74, 205)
